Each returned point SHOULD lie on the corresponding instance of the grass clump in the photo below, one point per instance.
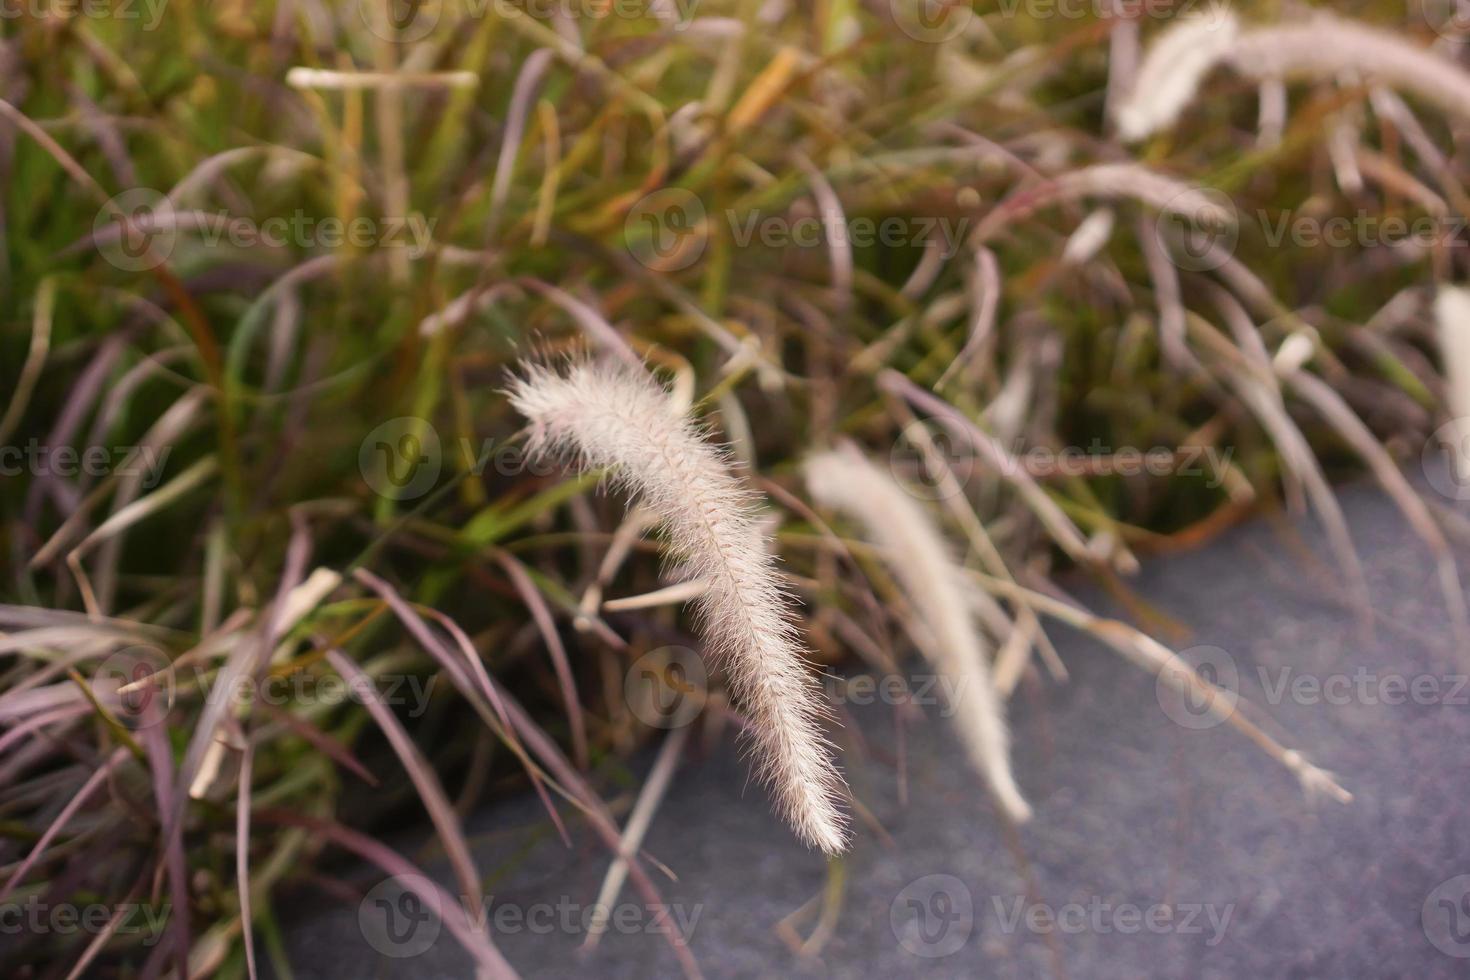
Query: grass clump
(280, 573)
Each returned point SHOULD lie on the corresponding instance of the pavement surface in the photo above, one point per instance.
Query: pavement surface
(1162, 846)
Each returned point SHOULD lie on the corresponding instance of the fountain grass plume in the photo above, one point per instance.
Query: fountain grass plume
(610, 418)
(846, 481)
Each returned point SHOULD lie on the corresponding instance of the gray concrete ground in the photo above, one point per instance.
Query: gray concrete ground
(1159, 849)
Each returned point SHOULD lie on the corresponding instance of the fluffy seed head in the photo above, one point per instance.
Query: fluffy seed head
(1172, 70)
(1452, 322)
(848, 482)
(611, 418)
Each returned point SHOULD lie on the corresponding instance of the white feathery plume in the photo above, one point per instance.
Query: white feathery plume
(1171, 72)
(1325, 46)
(1452, 319)
(846, 481)
(607, 417)
(1321, 47)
